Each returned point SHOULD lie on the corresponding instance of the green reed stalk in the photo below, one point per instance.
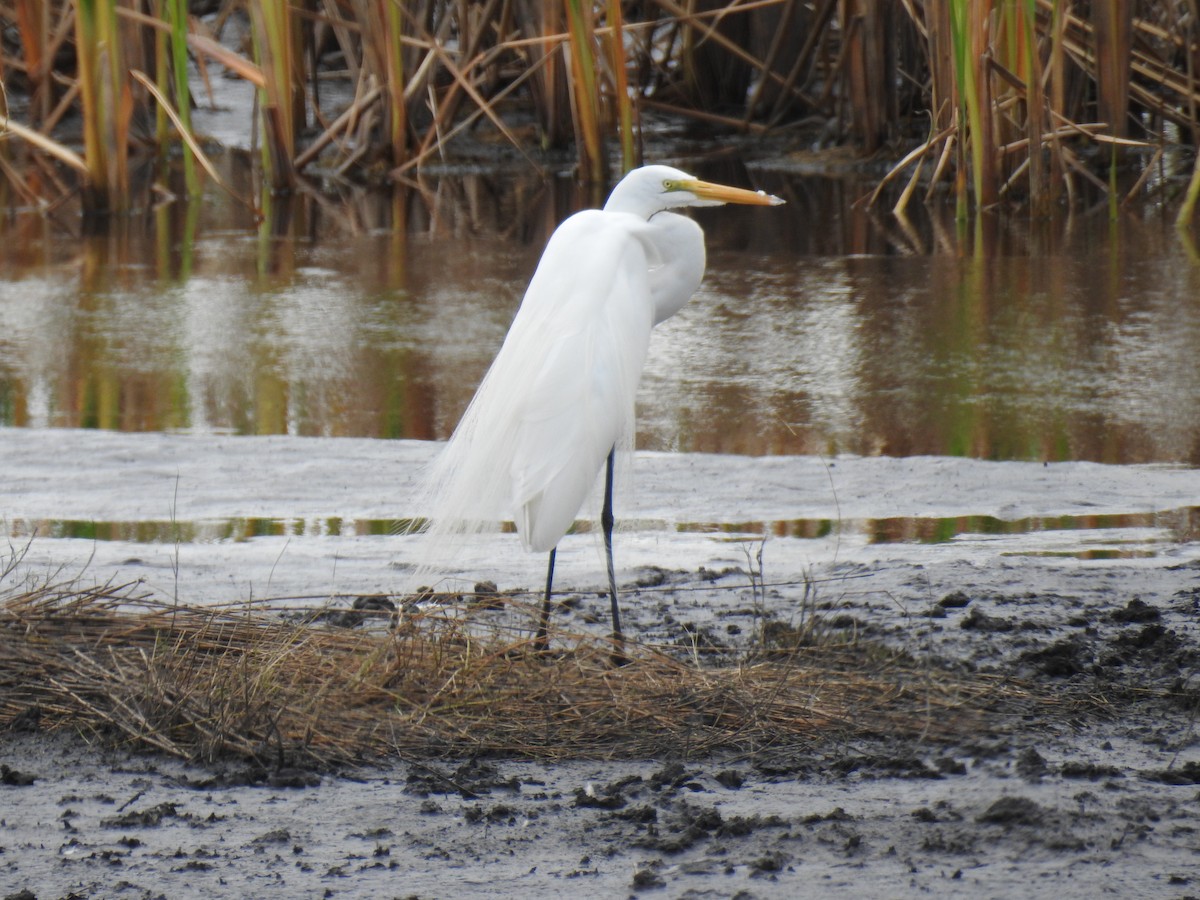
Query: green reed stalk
(394, 63)
(963, 38)
(1188, 209)
(621, 88)
(585, 90)
(162, 78)
(1040, 193)
(177, 16)
(272, 30)
(106, 106)
(1057, 98)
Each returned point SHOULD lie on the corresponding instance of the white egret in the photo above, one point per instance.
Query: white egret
(559, 397)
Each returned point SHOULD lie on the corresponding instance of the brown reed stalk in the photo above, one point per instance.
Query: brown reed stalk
(621, 96)
(1008, 78)
(391, 32)
(277, 45)
(107, 106)
(1112, 31)
(33, 27)
(868, 32)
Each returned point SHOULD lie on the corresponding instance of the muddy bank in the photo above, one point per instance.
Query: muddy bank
(1088, 787)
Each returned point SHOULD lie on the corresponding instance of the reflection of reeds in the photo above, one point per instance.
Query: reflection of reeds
(1019, 92)
(210, 683)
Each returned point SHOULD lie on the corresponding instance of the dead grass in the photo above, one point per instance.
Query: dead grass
(207, 684)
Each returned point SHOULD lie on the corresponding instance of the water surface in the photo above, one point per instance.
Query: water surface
(822, 328)
(819, 329)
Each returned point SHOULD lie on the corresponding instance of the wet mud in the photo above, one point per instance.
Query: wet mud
(1090, 789)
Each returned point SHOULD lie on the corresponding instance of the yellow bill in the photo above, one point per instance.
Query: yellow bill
(722, 193)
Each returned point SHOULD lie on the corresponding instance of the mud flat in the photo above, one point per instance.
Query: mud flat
(1090, 789)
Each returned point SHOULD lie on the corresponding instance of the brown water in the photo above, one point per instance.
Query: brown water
(819, 329)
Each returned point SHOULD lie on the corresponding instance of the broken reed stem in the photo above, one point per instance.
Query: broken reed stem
(206, 684)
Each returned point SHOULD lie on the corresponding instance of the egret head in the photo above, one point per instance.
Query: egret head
(652, 189)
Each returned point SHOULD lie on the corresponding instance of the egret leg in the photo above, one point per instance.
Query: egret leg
(543, 631)
(606, 521)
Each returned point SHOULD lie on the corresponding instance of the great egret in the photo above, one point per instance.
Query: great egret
(559, 397)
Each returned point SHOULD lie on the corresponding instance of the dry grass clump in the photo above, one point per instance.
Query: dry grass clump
(212, 683)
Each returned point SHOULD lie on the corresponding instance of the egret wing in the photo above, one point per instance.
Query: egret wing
(581, 399)
(559, 393)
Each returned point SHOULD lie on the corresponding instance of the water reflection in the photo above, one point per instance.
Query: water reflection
(821, 328)
(1086, 537)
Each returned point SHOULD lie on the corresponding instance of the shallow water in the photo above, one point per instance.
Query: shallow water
(821, 328)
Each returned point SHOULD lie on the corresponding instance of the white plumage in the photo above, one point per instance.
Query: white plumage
(560, 394)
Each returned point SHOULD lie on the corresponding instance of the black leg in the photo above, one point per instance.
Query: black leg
(606, 521)
(543, 631)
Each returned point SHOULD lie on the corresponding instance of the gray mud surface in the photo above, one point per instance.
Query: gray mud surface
(1093, 790)
(1090, 789)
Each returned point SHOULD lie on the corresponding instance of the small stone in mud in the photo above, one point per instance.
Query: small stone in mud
(1188, 773)
(500, 814)
(948, 765)
(1137, 611)
(486, 596)
(712, 575)
(1012, 811)
(838, 815)
(980, 621)
(293, 778)
(639, 815)
(28, 719)
(13, 778)
(1031, 764)
(954, 600)
(147, 818)
(1091, 771)
(1148, 637)
(1061, 659)
(772, 862)
(653, 576)
(672, 775)
(278, 836)
(607, 799)
(740, 826)
(730, 778)
(647, 878)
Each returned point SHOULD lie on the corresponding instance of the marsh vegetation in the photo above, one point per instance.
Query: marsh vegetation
(1027, 103)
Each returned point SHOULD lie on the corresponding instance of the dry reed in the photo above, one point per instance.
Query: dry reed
(1012, 95)
(212, 683)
